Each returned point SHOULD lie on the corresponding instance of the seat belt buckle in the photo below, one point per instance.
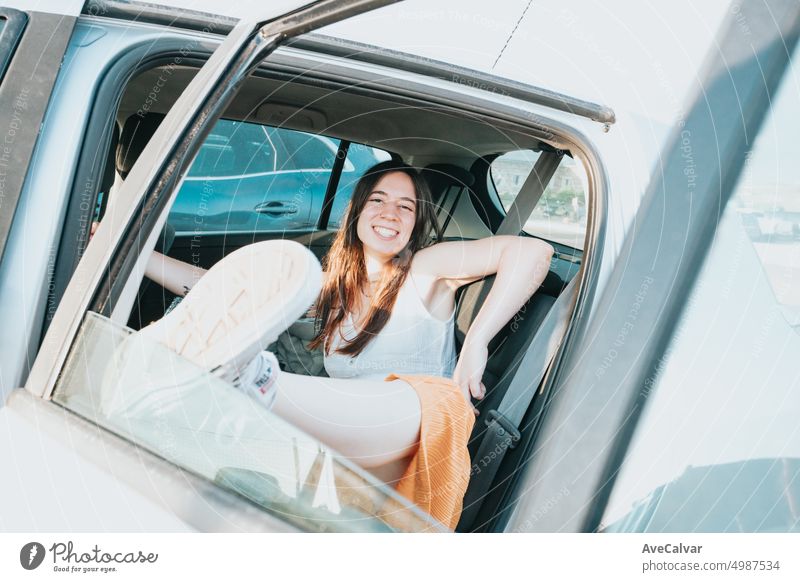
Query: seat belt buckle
(505, 427)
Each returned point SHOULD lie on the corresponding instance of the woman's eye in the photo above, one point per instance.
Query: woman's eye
(375, 200)
(408, 208)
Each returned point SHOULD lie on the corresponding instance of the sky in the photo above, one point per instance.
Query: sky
(638, 57)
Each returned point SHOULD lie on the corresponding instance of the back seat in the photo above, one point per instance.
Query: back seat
(510, 344)
(515, 335)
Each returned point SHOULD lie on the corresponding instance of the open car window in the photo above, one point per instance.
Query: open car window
(180, 412)
(254, 178)
(561, 213)
(200, 423)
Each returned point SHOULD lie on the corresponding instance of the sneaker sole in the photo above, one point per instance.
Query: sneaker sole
(241, 305)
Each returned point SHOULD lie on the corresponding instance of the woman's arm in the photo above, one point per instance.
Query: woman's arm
(172, 274)
(521, 265)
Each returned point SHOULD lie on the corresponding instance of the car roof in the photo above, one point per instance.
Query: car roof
(190, 14)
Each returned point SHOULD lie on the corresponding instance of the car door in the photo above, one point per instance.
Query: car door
(302, 483)
(614, 365)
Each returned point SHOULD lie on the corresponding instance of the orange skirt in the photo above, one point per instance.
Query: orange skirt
(438, 474)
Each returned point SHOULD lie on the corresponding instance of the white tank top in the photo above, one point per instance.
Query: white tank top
(412, 342)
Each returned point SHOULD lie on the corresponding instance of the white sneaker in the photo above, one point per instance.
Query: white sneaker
(240, 306)
(259, 379)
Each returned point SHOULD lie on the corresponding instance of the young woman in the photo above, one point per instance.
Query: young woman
(385, 315)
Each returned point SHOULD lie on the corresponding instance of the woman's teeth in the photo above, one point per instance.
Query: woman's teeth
(385, 232)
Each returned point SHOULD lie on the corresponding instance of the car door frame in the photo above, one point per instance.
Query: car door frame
(598, 390)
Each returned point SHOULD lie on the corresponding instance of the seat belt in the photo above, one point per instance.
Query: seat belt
(522, 207)
(503, 422)
(502, 431)
(530, 193)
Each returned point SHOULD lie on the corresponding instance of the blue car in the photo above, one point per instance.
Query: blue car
(251, 178)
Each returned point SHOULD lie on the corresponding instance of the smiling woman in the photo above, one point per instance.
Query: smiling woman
(385, 316)
(390, 218)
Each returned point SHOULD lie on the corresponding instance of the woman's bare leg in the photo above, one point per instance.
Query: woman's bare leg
(372, 422)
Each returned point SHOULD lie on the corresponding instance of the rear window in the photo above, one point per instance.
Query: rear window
(560, 215)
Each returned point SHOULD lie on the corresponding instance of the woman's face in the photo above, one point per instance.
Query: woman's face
(387, 220)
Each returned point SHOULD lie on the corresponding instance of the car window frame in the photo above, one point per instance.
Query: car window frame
(321, 14)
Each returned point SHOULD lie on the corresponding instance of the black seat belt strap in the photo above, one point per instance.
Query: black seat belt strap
(502, 431)
(450, 212)
(522, 207)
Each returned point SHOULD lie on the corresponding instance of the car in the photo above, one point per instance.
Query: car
(647, 386)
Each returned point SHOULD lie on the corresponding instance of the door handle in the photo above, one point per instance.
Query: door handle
(277, 208)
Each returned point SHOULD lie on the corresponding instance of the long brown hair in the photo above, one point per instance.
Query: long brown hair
(347, 271)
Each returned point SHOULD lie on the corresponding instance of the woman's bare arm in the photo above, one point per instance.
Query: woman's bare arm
(521, 265)
(172, 274)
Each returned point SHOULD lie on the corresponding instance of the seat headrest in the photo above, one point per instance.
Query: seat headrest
(136, 132)
(441, 177)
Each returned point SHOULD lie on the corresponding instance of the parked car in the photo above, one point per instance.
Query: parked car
(669, 403)
(253, 178)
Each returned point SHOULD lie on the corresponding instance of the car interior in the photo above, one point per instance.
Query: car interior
(454, 150)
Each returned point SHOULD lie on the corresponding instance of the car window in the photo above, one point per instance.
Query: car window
(303, 151)
(167, 405)
(250, 178)
(560, 215)
(234, 149)
(359, 159)
(718, 445)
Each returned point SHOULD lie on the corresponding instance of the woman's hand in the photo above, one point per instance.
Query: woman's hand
(469, 370)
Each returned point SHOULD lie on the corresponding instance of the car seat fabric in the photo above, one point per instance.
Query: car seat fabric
(442, 179)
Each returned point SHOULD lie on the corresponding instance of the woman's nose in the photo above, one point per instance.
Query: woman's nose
(389, 210)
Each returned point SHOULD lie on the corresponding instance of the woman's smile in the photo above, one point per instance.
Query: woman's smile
(388, 216)
(385, 233)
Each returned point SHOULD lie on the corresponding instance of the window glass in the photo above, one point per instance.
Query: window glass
(718, 444)
(303, 151)
(560, 215)
(165, 404)
(359, 159)
(250, 178)
(5, 56)
(234, 149)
